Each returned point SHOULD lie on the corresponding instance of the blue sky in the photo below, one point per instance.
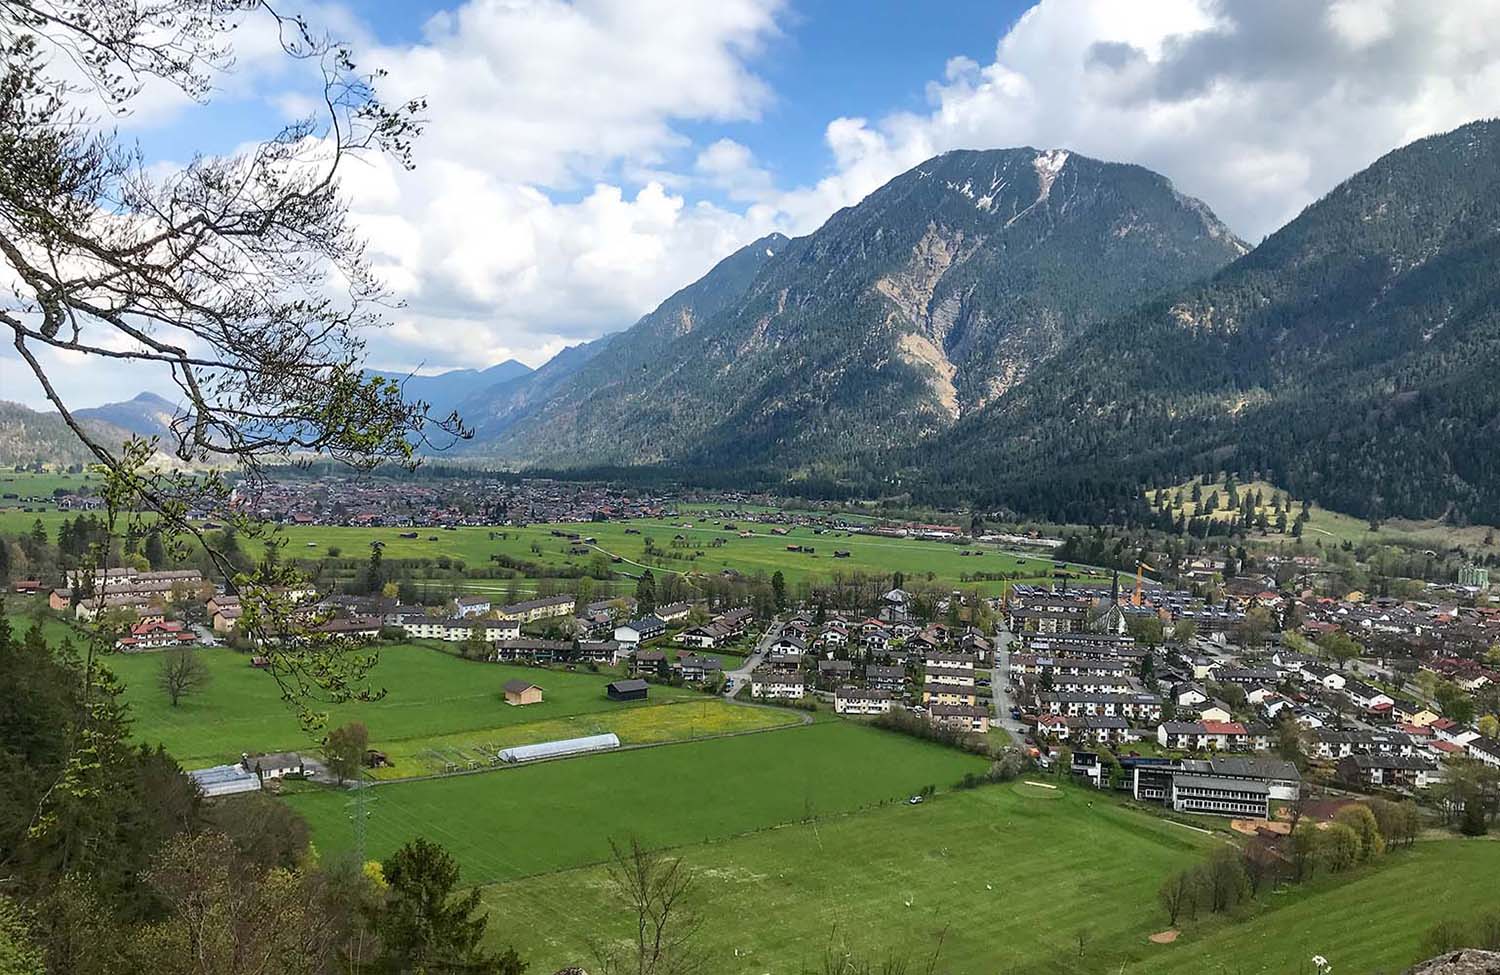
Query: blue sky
(583, 159)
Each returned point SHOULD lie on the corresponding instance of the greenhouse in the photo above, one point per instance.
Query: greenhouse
(559, 749)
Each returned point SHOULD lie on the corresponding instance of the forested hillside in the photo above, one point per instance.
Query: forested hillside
(1353, 357)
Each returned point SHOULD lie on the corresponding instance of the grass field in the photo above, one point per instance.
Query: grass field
(1371, 922)
(534, 819)
(429, 693)
(1005, 879)
(679, 721)
(704, 548)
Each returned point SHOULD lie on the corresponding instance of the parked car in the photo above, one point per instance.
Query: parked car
(915, 800)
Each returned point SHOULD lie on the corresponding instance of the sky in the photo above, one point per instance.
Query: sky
(583, 159)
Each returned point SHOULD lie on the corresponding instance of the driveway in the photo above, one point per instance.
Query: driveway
(741, 677)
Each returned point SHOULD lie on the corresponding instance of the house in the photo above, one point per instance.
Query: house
(646, 628)
(1389, 771)
(672, 612)
(274, 765)
(1102, 729)
(632, 689)
(885, 678)
(522, 692)
(966, 717)
(861, 701)
(226, 618)
(835, 671)
(769, 685)
(1362, 695)
(1187, 694)
(1485, 750)
(1214, 711)
(471, 606)
(785, 645)
(538, 609)
(1055, 726)
(1329, 678)
(697, 669)
(155, 635)
(649, 663)
(354, 628)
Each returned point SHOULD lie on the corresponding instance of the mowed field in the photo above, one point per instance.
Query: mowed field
(1373, 921)
(1005, 879)
(429, 693)
(515, 822)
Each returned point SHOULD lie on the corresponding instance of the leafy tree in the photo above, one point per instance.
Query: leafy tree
(1340, 848)
(265, 831)
(778, 590)
(156, 552)
(344, 750)
(1145, 629)
(645, 593)
(1362, 820)
(1339, 646)
(425, 926)
(180, 673)
(19, 955)
(1256, 626)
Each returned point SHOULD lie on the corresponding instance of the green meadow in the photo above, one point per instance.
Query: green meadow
(555, 815)
(1003, 880)
(428, 693)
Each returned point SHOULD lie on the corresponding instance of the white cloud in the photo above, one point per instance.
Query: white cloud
(1257, 108)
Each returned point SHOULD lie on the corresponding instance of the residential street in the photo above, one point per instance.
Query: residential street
(1000, 685)
(741, 677)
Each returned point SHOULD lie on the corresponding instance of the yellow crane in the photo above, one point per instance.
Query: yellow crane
(1135, 597)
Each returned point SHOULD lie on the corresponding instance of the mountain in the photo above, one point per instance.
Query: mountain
(1351, 357)
(494, 409)
(147, 414)
(28, 436)
(444, 391)
(900, 316)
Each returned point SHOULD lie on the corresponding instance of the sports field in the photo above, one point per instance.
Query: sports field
(534, 819)
(428, 693)
(1006, 880)
(1372, 921)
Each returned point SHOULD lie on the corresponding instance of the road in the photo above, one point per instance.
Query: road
(741, 677)
(1000, 686)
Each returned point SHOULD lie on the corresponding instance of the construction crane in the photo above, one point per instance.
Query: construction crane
(1135, 597)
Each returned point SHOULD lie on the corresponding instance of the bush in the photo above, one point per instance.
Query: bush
(1362, 820)
(1340, 847)
(919, 726)
(1479, 931)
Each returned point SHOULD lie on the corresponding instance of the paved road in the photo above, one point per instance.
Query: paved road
(741, 677)
(1000, 686)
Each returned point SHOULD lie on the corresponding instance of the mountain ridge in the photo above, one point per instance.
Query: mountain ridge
(923, 301)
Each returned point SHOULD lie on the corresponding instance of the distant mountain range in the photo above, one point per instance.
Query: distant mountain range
(28, 436)
(1048, 332)
(445, 390)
